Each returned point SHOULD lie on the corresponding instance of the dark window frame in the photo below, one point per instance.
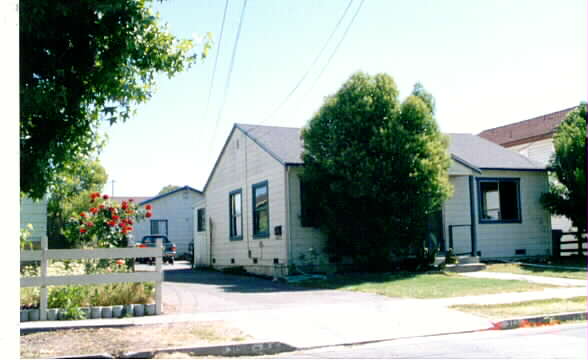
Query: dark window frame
(498, 180)
(235, 236)
(256, 233)
(201, 219)
(152, 221)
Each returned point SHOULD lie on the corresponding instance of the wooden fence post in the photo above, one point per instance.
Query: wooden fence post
(43, 292)
(158, 284)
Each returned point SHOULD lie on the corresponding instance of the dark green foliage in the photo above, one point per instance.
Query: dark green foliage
(567, 196)
(377, 168)
(82, 62)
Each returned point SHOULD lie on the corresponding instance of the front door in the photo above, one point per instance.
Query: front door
(435, 231)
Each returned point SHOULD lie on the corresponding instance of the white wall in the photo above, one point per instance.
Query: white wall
(201, 238)
(501, 240)
(34, 213)
(243, 164)
(177, 209)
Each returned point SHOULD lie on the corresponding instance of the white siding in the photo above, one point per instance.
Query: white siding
(201, 238)
(243, 164)
(177, 209)
(456, 211)
(501, 240)
(302, 238)
(34, 213)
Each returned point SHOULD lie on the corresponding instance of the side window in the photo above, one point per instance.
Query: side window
(235, 215)
(159, 227)
(499, 200)
(201, 222)
(260, 209)
(308, 213)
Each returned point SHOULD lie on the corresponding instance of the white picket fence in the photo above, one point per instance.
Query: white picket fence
(44, 255)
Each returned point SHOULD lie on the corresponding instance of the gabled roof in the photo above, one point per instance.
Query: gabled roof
(285, 145)
(170, 193)
(537, 128)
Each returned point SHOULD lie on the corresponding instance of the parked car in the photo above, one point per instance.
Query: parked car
(169, 252)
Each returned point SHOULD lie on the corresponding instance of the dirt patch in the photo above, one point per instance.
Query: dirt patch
(133, 338)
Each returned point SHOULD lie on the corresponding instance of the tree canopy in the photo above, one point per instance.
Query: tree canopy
(567, 195)
(82, 62)
(375, 168)
(168, 188)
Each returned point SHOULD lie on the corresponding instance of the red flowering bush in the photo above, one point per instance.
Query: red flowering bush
(107, 223)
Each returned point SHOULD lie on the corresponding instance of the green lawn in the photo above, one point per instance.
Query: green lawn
(526, 308)
(537, 271)
(422, 286)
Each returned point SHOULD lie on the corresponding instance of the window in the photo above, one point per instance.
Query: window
(201, 220)
(159, 227)
(260, 210)
(499, 200)
(308, 214)
(235, 215)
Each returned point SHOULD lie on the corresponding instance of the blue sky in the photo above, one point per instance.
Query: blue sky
(488, 63)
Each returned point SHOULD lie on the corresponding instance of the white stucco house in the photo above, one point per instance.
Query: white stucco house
(533, 138)
(172, 216)
(251, 212)
(34, 212)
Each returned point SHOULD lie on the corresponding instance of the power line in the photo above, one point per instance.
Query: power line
(336, 47)
(311, 65)
(232, 63)
(220, 40)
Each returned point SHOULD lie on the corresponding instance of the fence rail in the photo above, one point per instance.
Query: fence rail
(558, 242)
(44, 255)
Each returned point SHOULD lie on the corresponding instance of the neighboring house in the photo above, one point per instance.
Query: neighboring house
(35, 213)
(253, 206)
(172, 216)
(534, 139)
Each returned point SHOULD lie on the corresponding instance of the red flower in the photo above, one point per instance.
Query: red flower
(89, 224)
(130, 221)
(93, 210)
(111, 223)
(115, 217)
(83, 214)
(124, 205)
(82, 230)
(120, 262)
(148, 214)
(101, 206)
(94, 195)
(129, 228)
(148, 207)
(105, 197)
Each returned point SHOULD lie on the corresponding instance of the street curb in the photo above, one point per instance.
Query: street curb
(538, 320)
(246, 349)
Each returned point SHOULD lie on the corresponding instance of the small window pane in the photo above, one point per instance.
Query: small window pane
(509, 200)
(235, 217)
(260, 210)
(490, 201)
(201, 220)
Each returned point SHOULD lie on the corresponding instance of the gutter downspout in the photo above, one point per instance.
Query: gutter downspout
(473, 226)
(288, 220)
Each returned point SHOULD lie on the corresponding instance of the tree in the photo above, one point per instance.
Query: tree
(567, 195)
(167, 189)
(70, 195)
(376, 169)
(82, 62)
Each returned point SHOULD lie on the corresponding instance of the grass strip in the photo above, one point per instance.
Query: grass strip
(537, 271)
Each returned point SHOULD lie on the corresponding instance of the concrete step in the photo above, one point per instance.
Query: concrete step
(468, 259)
(461, 268)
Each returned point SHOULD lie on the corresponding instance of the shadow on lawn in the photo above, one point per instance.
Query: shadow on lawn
(338, 281)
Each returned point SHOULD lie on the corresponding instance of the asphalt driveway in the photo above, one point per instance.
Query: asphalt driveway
(189, 291)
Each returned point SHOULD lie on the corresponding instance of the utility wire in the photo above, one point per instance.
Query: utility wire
(311, 65)
(231, 65)
(220, 40)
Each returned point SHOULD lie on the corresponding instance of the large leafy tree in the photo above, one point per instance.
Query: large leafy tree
(70, 195)
(81, 62)
(375, 168)
(167, 189)
(567, 195)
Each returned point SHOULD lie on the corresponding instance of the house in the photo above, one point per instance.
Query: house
(534, 139)
(251, 212)
(172, 216)
(34, 212)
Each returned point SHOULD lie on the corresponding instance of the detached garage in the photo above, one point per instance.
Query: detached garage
(172, 216)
